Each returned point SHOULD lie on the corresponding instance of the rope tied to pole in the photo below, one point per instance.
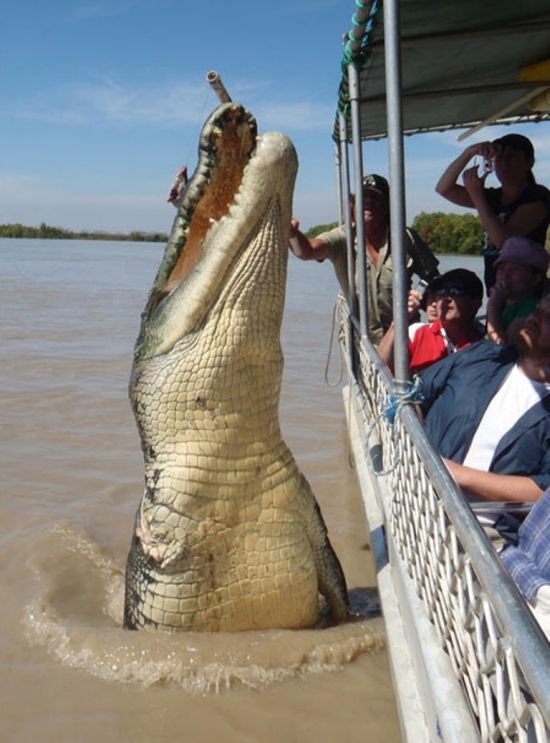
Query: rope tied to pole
(411, 394)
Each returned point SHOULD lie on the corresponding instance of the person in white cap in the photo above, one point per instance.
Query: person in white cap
(520, 274)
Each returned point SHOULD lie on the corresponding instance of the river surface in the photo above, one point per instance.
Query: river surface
(71, 481)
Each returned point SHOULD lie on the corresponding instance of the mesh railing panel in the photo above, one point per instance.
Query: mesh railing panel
(445, 577)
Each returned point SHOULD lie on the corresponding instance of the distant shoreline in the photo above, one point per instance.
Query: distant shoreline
(47, 232)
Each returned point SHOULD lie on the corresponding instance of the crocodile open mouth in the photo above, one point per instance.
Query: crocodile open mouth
(227, 143)
(236, 194)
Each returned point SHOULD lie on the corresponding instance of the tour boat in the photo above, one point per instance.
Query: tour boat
(468, 660)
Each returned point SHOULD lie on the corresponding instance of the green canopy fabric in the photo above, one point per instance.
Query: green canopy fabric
(461, 63)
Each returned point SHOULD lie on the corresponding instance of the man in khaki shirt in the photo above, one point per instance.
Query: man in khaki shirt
(332, 244)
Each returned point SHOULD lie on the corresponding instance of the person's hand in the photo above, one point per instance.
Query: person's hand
(294, 226)
(294, 243)
(498, 295)
(472, 182)
(414, 301)
(484, 149)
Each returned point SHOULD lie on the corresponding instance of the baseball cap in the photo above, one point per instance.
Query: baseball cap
(522, 250)
(459, 279)
(377, 183)
(516, 142)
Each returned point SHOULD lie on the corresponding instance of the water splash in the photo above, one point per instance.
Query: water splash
(78, 616)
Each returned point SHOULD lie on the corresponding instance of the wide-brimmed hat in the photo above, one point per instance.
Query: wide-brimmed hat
(522, 250)
(377, 183)
(460, 279)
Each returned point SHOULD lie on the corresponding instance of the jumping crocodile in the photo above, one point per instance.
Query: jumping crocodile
(228, 535)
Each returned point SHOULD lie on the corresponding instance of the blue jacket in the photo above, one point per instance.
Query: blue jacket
(457, 391)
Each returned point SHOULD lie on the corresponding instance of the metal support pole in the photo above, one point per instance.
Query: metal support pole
(345, 190)
(339, 189)
(353, 80)
(397, 192)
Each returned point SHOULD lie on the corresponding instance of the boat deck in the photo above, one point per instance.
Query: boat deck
(469, 661)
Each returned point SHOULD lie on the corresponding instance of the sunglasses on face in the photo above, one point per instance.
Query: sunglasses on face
(449, 291)
(372, 195)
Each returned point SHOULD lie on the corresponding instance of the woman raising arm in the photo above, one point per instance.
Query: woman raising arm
(519, 207)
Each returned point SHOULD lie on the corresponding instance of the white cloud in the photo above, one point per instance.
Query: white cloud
(294, 116)
(168, 104)
(110, 101)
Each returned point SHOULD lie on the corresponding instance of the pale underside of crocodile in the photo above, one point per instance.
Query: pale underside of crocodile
(228, 535)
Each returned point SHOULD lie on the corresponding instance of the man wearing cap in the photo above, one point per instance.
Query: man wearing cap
(458, 295)
(487, 412)
(520, 273)
(332, 244)
(519, 207)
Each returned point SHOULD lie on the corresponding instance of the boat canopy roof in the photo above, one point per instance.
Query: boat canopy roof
(463, 62)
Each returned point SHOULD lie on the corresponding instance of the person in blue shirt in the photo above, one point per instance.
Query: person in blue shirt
(487, 412)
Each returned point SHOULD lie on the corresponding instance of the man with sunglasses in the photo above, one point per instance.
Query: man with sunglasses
(487, 412)
(457, 297)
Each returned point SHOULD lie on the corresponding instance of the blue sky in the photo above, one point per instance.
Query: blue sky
(101, 101)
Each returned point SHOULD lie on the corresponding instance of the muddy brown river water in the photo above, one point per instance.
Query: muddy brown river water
(71, 481)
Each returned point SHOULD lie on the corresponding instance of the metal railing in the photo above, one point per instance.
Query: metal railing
(497, 650)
